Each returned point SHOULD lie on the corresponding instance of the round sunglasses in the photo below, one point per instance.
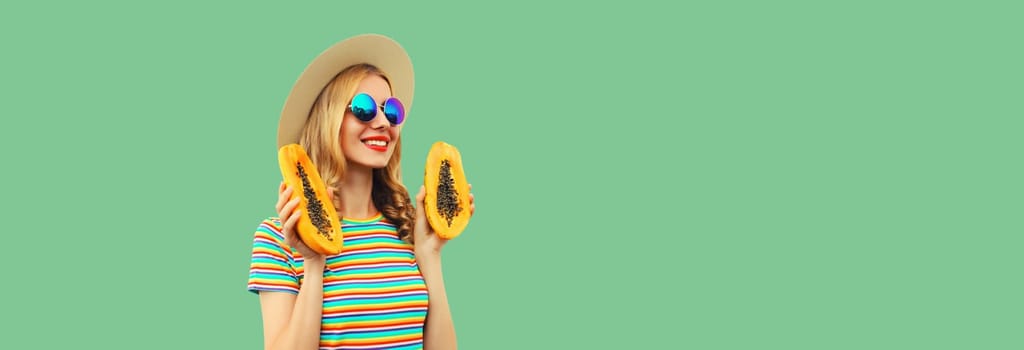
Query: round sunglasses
(365, 108)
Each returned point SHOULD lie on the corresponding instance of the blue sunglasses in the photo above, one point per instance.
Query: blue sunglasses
(365, 108)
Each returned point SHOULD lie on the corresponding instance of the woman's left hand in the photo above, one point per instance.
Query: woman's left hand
(426, 242)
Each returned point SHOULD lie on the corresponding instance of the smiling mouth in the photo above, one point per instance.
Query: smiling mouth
(376, 144)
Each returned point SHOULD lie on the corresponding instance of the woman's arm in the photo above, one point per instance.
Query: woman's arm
(293, 321)
(439, 330)
(290, 321)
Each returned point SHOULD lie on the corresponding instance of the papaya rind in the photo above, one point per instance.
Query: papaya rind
(288, 157)
(440, 151)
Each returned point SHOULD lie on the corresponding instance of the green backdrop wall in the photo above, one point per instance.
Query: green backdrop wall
(683, 175)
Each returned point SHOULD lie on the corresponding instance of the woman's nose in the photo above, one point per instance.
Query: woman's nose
(380, 121)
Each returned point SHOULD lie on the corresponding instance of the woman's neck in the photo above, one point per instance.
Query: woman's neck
(355, 194)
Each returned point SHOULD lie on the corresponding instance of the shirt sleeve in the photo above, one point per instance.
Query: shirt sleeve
(273, 266)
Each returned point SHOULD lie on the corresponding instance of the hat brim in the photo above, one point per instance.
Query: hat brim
(378, 50)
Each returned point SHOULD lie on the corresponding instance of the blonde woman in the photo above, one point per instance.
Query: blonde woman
(385, 290)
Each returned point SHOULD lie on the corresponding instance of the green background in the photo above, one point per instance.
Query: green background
(704, 175)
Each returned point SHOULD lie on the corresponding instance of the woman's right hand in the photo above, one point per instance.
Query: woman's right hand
(289, 218)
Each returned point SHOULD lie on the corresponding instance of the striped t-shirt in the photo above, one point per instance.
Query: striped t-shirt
(374, 295)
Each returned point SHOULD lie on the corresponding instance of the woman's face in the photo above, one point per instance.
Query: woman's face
(369, 144)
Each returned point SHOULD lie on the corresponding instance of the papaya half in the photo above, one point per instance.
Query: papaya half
(318, 225)
(446, 202)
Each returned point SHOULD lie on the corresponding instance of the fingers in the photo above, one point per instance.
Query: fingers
(472, 201)
(421, 226)
(289, 227)
(289, 208)
(420, 213)
(282, 198)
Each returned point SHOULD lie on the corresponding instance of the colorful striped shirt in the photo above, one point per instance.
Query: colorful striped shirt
(374, 294)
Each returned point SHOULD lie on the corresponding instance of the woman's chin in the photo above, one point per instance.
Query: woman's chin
(368, 163)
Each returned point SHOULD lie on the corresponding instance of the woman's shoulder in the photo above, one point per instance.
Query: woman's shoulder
(270, 227)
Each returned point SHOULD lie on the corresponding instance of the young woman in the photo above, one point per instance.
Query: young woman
(385, 289)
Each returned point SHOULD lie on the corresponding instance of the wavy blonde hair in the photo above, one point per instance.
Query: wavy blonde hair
(320, 138)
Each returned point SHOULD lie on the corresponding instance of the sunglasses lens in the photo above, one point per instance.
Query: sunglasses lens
(363, 107)
(394, 110)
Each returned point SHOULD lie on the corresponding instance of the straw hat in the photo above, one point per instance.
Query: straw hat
(378, 50)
